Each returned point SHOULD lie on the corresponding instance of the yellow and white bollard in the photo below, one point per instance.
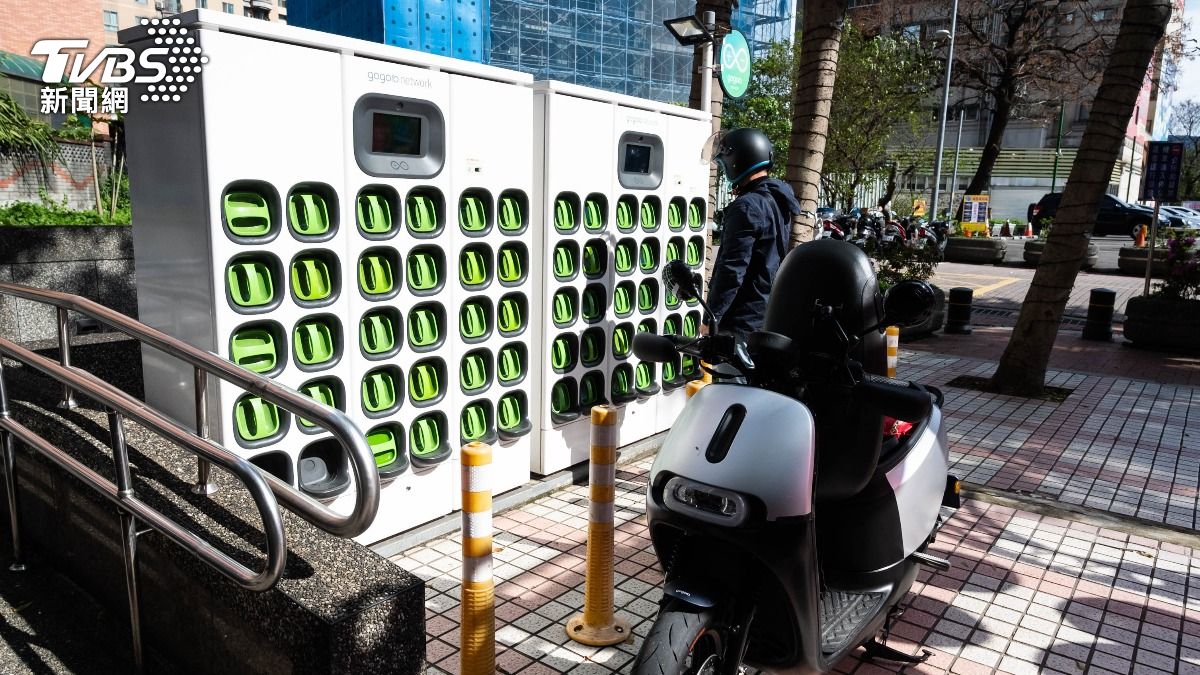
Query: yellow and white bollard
(893, 349)
(597, 626)
(478, 608)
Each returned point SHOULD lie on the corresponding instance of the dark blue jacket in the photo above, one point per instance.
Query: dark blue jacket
(754, 238)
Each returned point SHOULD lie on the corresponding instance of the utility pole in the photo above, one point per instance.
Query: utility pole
(957, 149)
(1057, 149)
(941, 140)
(1132, 152)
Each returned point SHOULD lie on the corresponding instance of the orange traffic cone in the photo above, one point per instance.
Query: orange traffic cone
(1140, 240)
(1028, 229)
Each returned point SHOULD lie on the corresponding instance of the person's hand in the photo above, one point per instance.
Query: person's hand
(703, 328)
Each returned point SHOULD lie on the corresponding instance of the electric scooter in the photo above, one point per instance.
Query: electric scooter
(789, 525)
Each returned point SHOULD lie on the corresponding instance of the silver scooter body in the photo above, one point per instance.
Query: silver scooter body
(773, 458)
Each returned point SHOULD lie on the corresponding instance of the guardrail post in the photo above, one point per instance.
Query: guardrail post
(64, 356)
(958, 311)
(893, 349)
(9, 449)
(129, 533)
(478, 608)
(1100, 315)
(597, 626)
(204, 484)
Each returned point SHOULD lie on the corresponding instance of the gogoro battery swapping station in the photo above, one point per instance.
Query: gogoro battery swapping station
(444, 250)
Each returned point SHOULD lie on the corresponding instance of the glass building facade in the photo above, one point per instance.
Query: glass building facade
(616, 45)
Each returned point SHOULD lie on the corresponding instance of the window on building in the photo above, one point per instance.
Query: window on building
(110, 20)
(1085, 110)
(967, 112)
(1106, 14)
(201, 4)
(227, 7)
(282, 4)
(141, 2)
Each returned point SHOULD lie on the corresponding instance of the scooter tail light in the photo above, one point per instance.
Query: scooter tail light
(705, 502)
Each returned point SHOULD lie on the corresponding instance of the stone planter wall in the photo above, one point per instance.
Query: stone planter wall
(1157, 323)
(980, 251)
(1132, 260)
(1034, 247)
(93, 261)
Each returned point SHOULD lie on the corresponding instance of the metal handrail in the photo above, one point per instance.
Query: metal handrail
(266, 490)
(336, 422)
(118, 404)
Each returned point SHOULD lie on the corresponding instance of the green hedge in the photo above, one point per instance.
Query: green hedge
(50, 213)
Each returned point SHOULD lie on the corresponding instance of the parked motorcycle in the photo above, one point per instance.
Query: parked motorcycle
(941, 232)
(829, 230)
(789, 525)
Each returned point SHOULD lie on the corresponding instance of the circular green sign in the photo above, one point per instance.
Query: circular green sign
(735, 64)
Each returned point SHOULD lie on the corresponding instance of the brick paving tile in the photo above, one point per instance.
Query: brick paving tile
(1002, 609)
(1116, 444)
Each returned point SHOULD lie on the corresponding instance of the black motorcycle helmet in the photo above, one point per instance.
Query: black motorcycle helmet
(742, 152)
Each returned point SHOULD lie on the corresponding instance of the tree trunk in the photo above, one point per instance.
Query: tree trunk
(820, 38)
(723, 10)
(982, 179)
(890, 192)
(1022, 369)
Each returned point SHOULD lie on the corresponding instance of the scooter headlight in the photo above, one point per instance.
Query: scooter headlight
(705, 502)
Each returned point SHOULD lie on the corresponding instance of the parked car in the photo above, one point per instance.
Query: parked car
(827, 213)
(1182, 218)
(1115, 216)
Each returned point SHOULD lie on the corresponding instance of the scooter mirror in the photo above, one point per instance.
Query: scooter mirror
(654, 348)
(908, 303)
(677, 277)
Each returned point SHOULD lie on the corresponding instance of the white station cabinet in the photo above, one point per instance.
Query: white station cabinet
(361, 230)
(613, 205)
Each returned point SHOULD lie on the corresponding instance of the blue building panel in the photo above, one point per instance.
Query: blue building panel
(617, 45)
(403, 21)
(471, 36)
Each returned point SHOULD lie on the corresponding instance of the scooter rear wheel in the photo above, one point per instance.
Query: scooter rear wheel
(683, 641)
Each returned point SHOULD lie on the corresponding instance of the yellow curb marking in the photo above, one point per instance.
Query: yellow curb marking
(979, 290)
(991, 287)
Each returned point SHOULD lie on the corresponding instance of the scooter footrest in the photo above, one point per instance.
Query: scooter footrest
(843, 614)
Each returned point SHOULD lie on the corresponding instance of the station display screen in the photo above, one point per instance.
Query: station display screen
(393, 134)
(637, 158)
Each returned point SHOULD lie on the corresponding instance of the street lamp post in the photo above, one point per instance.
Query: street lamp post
(957, 150)
(689, 32)
(1057, 149)
(941, 139)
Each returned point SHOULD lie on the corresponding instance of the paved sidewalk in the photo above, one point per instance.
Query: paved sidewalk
(1071, 352)
(1126, 446)
(1027, 594)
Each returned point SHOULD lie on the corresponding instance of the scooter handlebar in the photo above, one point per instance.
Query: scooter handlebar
(894, 398)
(656, 348)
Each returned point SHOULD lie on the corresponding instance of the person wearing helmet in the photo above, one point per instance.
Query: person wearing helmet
(755, 231)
